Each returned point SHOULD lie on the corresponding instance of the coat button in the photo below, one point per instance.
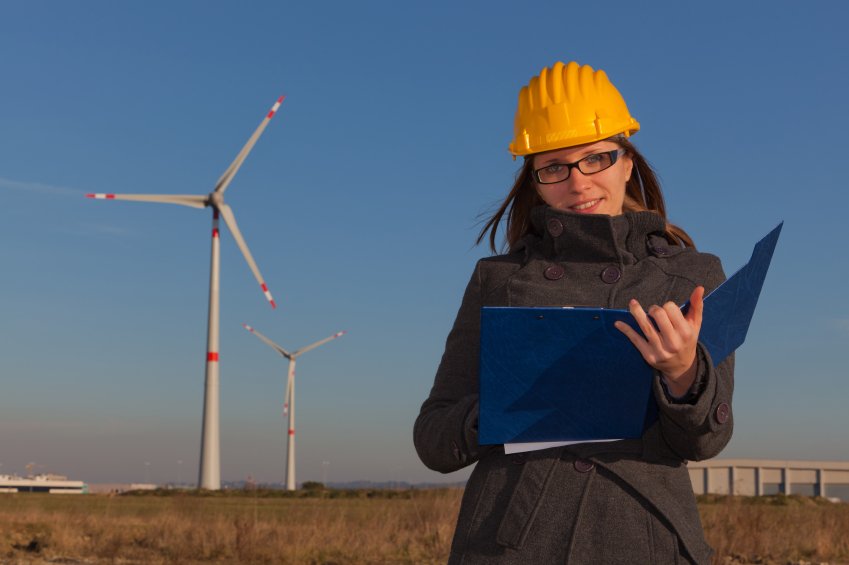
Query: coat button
(611, 274)
(583, 466)
(553, 272)
(555, 227)
(517, 458)
(723, 411)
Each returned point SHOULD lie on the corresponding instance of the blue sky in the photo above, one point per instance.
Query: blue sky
(361, 203)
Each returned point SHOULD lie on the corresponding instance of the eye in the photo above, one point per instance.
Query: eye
(593, 159)
(554, 169)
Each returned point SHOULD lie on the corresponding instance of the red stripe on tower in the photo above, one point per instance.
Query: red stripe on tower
(212, 356)
(291, 432)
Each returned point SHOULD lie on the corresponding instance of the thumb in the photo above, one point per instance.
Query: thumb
(694, 313)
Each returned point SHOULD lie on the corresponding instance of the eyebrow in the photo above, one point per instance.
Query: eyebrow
(558, 160)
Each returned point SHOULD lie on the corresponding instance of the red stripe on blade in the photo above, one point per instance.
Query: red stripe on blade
(275, 108)
(212, 356)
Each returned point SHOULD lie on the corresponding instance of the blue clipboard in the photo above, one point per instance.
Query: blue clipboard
(567, 374)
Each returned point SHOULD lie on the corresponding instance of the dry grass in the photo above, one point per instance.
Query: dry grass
(776, 529)
(246, 529)
(398, 528)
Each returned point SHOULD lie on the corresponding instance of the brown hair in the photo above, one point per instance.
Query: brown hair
(642, 193)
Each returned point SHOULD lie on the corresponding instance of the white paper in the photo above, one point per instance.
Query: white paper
(537, 445)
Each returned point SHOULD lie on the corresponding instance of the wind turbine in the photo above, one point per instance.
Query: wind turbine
(209, 475)
(289, 404)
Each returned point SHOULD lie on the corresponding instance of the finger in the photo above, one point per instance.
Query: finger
(697, 306)
(643, 321)
(668, 335)
(675, 331)
(676, 317)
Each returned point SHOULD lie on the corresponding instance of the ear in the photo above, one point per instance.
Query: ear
(628, 162)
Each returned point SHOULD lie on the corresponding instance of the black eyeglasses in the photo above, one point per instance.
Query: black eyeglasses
(589, 165)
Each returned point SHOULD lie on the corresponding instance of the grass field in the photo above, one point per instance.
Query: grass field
(352, 527)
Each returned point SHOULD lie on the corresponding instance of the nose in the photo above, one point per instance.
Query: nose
(577, 181)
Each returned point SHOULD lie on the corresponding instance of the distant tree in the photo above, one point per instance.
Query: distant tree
(312, 486)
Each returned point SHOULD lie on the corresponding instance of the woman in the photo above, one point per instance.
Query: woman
(585, 226)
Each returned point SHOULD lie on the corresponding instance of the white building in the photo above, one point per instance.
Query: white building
(41, 483)
(755, 477)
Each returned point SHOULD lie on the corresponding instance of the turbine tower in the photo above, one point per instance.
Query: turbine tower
(289, 403)
(209, 474)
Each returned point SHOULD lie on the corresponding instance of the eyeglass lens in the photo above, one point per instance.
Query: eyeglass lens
(590, 164)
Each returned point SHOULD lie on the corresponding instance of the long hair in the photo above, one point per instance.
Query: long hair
(642, 193)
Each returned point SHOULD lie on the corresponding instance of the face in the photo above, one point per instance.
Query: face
(598, 193)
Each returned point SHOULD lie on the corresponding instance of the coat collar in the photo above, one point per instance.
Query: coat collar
(567, 236)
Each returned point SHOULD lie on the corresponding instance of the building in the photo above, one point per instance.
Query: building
(755, 477)
(53, 484)
(119, 488)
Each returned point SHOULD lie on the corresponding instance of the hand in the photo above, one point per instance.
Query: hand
(671, 347)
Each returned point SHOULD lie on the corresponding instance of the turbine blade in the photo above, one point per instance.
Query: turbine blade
(316, 344)
(195, 201)
(231, 171)
(267, 341)
(230, 220)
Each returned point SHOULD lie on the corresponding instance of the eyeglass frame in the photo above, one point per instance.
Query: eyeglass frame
(613, 154)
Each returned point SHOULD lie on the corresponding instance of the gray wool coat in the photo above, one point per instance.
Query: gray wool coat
(628, 501)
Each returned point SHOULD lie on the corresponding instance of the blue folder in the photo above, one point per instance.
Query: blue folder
(567, 374)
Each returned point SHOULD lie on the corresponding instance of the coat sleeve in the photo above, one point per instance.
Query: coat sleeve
(446, 431)
(700, 427)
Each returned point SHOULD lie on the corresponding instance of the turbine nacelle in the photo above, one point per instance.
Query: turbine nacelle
(215, 199)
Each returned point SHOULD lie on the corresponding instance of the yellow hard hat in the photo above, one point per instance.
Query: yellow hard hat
(568, 105)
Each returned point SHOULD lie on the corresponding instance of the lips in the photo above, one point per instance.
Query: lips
(586, 207)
